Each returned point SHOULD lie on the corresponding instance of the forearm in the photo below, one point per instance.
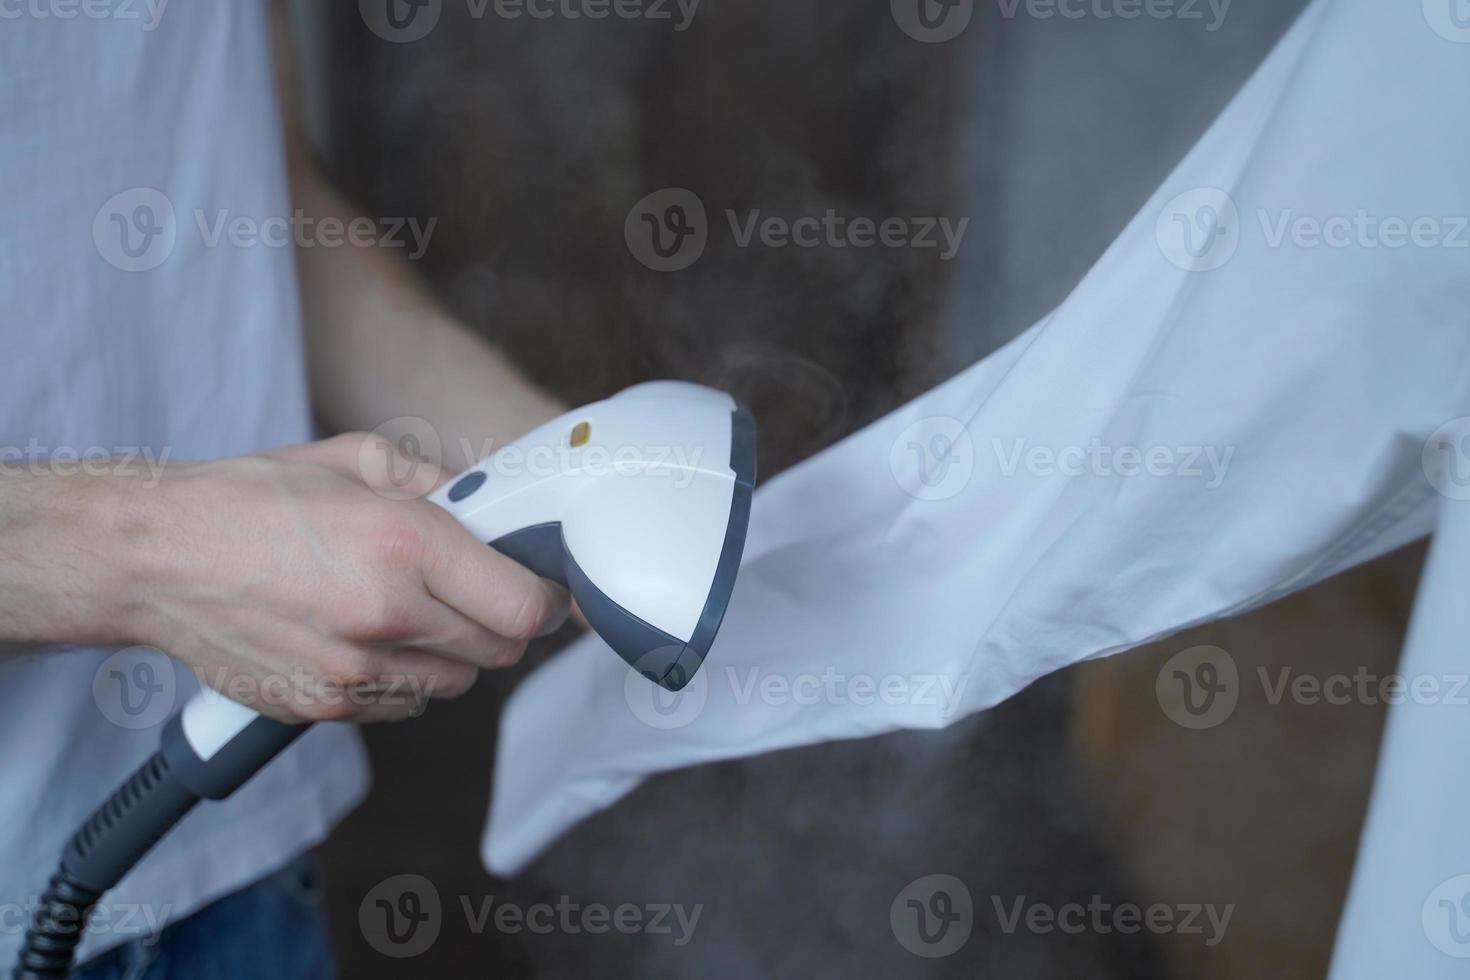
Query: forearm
(65, 570)
(380, 348)
(259, 571)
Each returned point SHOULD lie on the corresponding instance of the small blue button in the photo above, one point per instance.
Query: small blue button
(467, 485)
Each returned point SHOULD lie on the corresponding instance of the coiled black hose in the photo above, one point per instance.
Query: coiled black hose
(114, 838)
(56, 928)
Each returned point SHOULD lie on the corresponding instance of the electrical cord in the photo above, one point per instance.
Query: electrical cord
(113, 839)
(134, 818)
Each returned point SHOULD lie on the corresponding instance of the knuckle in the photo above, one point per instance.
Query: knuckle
(341, 448)
(396, 541)
(346, 668)
(377, 618)
(352, 441)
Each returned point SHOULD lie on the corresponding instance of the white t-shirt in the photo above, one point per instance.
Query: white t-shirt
(128, 130)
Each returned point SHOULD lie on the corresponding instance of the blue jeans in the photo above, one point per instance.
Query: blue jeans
(274, 929)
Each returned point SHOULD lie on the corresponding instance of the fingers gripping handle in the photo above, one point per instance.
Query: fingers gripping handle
(651, 560)
(216, 745)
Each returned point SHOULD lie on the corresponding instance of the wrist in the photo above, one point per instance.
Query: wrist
(133, 519)
(76, 558)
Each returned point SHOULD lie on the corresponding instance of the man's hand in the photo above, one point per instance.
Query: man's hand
(287, 580)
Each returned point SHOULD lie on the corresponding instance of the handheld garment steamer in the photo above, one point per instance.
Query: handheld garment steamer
(637, 504)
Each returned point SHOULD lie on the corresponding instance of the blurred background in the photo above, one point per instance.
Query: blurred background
(529, 140)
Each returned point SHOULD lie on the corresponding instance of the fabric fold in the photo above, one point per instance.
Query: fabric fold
(1231, 405)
